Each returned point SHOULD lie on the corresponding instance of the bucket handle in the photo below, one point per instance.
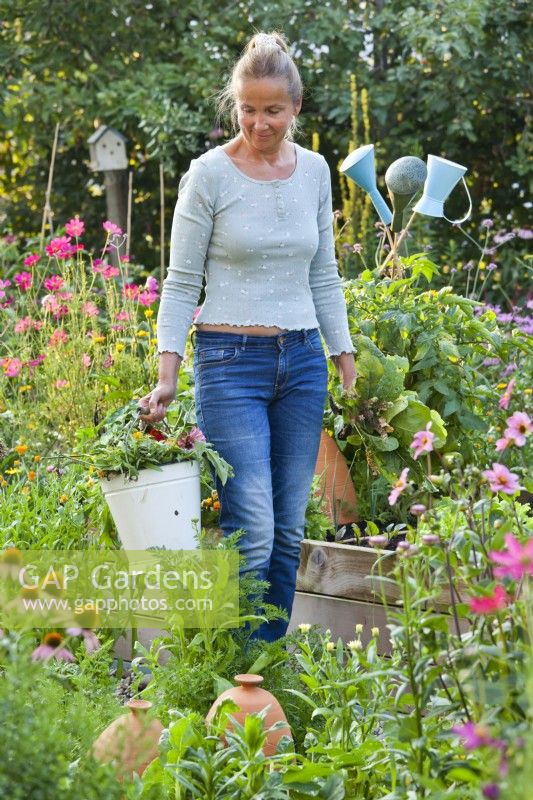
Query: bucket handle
(460, 221)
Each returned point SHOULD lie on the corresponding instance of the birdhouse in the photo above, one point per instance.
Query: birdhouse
(107, 148)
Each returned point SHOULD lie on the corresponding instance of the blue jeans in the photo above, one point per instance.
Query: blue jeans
(260, 402)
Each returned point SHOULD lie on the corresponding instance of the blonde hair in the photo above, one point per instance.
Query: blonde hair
(265, 56)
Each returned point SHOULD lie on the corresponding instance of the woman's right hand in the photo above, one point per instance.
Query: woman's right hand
(154, 404)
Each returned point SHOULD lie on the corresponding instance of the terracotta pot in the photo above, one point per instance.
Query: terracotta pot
(251, 698)
(340, 501)
(131, 741)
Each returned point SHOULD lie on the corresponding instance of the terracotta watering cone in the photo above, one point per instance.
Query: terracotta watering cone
(340, 501)
(251, 699)
(131, 741)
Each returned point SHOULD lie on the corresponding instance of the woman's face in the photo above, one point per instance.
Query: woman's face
(265, 111)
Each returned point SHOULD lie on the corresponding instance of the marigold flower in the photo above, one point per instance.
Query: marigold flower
(63, 499)
(21, 449)
(31, 475)
(37, 459)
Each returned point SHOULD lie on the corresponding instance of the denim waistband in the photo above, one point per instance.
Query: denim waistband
(246, 340)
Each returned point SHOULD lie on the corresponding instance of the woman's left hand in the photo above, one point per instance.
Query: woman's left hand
(345, 365)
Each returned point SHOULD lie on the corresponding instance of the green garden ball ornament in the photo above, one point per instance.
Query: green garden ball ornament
(404, 178)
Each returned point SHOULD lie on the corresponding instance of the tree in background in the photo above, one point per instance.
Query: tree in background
(442, 77)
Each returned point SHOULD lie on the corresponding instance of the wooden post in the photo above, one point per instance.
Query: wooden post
(128, 224)
(162, 224)
(115, 182)
(47, 210)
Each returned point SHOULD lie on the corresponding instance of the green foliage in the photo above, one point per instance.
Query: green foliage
(419, 357)
(45, 737)
(118, 445)
(121, 71)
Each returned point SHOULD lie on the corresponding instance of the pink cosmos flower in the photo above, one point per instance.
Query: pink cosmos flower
(151, 284)
(59, 247)
(399, 486)
(35, 361)
(504, 442)
(147, 298)
(59, 336)
(86, 360)
(505, 399)
(11, 366)
(54, 283)
(487, 604)
(22, 325)
(9, 238)
(60, 311)
(61, 384)
(91, 640)
(188, 441)
(476, 735)
(130, 291)
(519, 426)
(23, 280)
(501, 480)
(97, 265)
(90, 309)
(117, 327)
(516, 562)
(423, 441)
(110, 272)
(75, 227)
(123, 315)
(111, 228)
(125, 259)
(108, 361)
(32, 259)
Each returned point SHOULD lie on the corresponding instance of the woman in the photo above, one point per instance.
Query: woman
(255, 217)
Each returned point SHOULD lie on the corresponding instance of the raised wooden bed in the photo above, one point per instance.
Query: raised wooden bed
(339, 586)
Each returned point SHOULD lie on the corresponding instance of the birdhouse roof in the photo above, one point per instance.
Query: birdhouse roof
(100, 132)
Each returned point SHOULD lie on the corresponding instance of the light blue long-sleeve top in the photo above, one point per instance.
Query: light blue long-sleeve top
(266, 249)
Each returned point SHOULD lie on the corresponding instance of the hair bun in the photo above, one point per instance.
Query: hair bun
(267, 40)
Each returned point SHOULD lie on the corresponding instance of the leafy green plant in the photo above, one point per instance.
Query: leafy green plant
(118, 445)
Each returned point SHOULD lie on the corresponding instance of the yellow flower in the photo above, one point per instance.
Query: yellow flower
(21, 449)
(355, 645)
(32, 475)
(12, 471)
(3, 482)
(90, 469)
(304, 627)
(25, 388)
(375, 632)
(25, 490)
(330, 646)
(528, 391)
(153, 341)
(315, 146)
(63, 499)
(141, 334)
(119, 347)
(137, 435)
(37, 459)
(98, 339)
(16, 462)
(502, 386)
(148, 312)
(90, 482)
